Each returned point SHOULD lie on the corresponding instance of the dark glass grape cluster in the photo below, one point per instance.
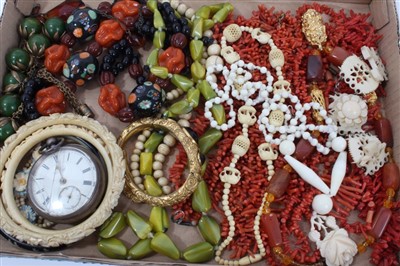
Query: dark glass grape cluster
(28, 98)
(119, 57)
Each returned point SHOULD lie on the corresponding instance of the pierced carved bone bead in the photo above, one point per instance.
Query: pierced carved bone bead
(229, 54)
(357, 74)
(230, 175)
(247, 115)
(276, 58)
(260, 36)
(281, 86)
(266, 152)
(214, 60)
(240, 145)
(276, 118)
(378, 69)
(232, 33)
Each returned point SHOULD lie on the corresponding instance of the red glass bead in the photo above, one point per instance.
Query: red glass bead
(383, 130)
(391, 176)
(337, 55)
(179, 40)
(303, 150)
(314, 67)
(269, 224)
(279, 183)
(380, 222)
(65, 9)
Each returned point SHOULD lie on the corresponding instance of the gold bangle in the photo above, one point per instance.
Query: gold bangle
(133, 191)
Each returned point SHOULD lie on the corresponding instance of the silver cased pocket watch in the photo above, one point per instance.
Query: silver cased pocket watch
(67, 182)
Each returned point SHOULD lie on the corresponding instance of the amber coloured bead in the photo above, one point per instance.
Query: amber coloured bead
(303, 150)
(380, 222)
(314, 67)
(269, 224)
(383, 130)
(337, 55)
(391, 176)
(65, 9)
(279, 182)
(179, 40)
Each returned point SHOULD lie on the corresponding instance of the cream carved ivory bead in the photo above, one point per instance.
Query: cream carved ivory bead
(135, 158)
(157, 165)
(146, 133)
(208, 33)
(163, 149)
(135, 173)
(169, 140)
(338, 172)
(287, 147)
(134, 165)
(157, 174)
(142, 138)
(162, 181)
(166, 190)
(186, 116)
(181, 9)
(232, 33)
(230, 175)
(183, 123)
(240, 145)
(139, 145)
(260, 36)
(229, 54)
(189, 13)
(174, 4)
(214, 60)
(214, 49)
(377, 67)
(266, 152)
(159, 157)
(247, 115)
(276, 118)
(138, 180)
(276, 58)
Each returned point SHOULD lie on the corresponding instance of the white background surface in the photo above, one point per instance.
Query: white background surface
(9, 261)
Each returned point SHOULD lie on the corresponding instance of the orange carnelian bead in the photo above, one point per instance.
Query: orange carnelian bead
(50, 100)
(173, 59)
(111, 98)
(55, 57)
(125, 8)
(109, 32)
(269, 225)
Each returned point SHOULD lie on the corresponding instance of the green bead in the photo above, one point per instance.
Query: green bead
(151, 186)
(209, 139)
(158, 20)
(193, 96)
(37, 44)
(223, 13)
(29, 26)
(12, 80)
(201, 201)
(203, 12)
(54, 28)
(141, 228)
(115, 224)
(208, 24)
(18, 59)
(161, 243)
(6, 130)
(209, 229)
(203, 168)
(218, 112)
(197, 29)
(152, 5)
(158, 39)
(182, 82)
(200, 252)
(196, 49)
(206, 90)
(161, 72)
(153, 141)
(140, 249)
(159, 219)
(152, 60)
(181, 107)
(215, 8)
(198, 71)
(9, 103)
(146, 163)
(112, 248)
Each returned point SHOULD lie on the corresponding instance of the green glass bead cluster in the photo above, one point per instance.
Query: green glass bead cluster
(35, 38)
(152, 233)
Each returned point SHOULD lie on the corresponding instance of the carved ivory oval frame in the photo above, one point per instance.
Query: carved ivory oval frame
(12, 222)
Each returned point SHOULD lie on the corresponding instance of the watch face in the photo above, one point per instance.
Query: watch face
(65, 183)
